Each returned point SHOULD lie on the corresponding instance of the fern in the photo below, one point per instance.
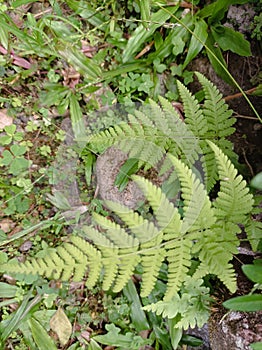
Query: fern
(233, 202)
(194, 116)
(200, 230)
(190, 308)
(156, 130)
(206, 230)
(218, 117)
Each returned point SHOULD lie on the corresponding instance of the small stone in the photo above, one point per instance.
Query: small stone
(27, 245)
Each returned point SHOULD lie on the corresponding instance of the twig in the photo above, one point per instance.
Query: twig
(145, 50)
(239, 94)
(244, 116)
(248, 164)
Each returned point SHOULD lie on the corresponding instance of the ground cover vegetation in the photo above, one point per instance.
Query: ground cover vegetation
(100, 274)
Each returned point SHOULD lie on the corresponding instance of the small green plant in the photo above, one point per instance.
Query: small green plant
(256, 27)
(11, 135)
(14, 159)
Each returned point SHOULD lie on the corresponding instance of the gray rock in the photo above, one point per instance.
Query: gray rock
(107, 168)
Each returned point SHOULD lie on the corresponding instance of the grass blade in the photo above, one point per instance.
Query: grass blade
(195, 45)
(41, 337)
(76, 118)
(80, 62)
(142, 34)
(145, 11)
(9, 325)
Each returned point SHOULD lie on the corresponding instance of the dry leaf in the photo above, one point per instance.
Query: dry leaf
(61, 325)
(5, 119)
(7, 225)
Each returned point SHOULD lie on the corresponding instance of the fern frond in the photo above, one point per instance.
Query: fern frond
(209, 165)
(143, 229)
(227, 275)
(254, 233)
(215, 248)
(101, 141)
(194, 116)
(234, 201)
(191, 307)
(110, 269)
(109, 252)
(179, 262)
(164, 211)
(197, 206)
(115, 233)
(98, 238)
(184, 142)
(151, 262)
(128, 261)
(94, 257)
(217, 114)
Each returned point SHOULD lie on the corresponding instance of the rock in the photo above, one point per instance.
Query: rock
(203, 334)
(236, 330)
(107, 168)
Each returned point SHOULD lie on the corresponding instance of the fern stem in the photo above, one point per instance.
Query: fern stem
(216, 58)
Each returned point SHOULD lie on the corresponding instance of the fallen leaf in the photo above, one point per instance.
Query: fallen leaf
(61, 325)
(7, 225)
(5, 119)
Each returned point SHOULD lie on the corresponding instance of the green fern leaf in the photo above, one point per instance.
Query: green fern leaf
(191, 308)
(197, 206)
(218, 116)
(110, 269)
(194, 117)
(94, 260)
(144, 230)
(164, 211)
(184, 143)
(254, 233)
(128, 262)
(115, 232)
(179, 262)
(217, 247)
(109, 252)
(98, 238)
(234, 201)
(151, 262)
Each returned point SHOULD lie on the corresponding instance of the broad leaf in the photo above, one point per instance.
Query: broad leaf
(137, 314)
(84, 65)
(41, 337)
(253, 272)
(76, 118)
(216, 59)
(7, 290)
(217, 9)
(245, 303)
(145, 11)
(197, 41)
(256, 346)
(228, 39)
